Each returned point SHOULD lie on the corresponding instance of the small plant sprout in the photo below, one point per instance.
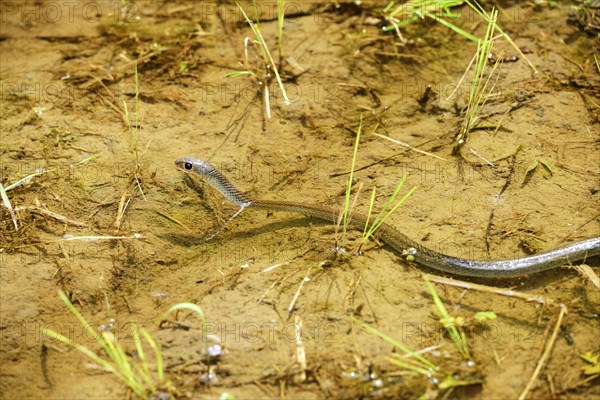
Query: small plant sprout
(409, 360)
(267, 59)
(385, 212)
(134, 132)
(452, 325)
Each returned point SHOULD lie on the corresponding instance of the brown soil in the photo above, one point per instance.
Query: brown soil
(67, 70)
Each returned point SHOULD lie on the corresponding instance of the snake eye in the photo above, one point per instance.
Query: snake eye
(187, 166)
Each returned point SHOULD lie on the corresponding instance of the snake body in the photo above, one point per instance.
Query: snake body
(398, 241)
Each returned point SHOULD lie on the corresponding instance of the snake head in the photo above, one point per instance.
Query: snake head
(217, 180)
(190, 164)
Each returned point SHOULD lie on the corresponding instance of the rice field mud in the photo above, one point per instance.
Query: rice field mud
(500, 147)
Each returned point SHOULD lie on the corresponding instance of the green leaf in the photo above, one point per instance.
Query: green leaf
(590, 357)
(450, 382)
(238, 73)
(548, 166)
(531, 167)
(483, 316)
(591, 369)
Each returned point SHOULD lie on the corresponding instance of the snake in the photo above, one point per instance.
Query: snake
(388, 234)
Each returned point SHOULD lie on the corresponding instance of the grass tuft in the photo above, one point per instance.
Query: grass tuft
(480, 85)
(269, 63)
(383, 215)
(143, 380)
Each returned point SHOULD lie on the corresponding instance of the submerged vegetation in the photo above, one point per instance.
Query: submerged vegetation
(144, 378)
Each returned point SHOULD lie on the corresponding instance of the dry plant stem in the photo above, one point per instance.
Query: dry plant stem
(69, 238)
(272, 267)
(175, 220)
(51, 214)
(295, 298)
(7, 204)
(277, 282)
(551, 383)
(409, 146)
(488, 162)
(41, 171)
(588, 272)
(547, 351)
(488, 289)
(113, 106)
(120, 211)
(300, 350)
(462, 78)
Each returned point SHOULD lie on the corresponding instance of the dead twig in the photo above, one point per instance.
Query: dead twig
(297, 294)
(409, 146)
(44, 211)
(546, 354)
(489, 289)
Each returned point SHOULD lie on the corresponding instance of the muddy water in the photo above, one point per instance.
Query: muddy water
(66, 72)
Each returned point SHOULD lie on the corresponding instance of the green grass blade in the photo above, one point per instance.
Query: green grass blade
(384, 214)
(455, 28)
(395, 343)
(479, 10)
(137, 377)
(158, 352)
(195, 309)
(351, 178)
(83, 322)
(280, 19)
(136, 131)
(371, 203)
(84, 350)
(238, 73)
(448, 322)
(185, 306)
(410, 367)
(143, 367)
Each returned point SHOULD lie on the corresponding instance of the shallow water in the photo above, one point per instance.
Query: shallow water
(64, 82)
